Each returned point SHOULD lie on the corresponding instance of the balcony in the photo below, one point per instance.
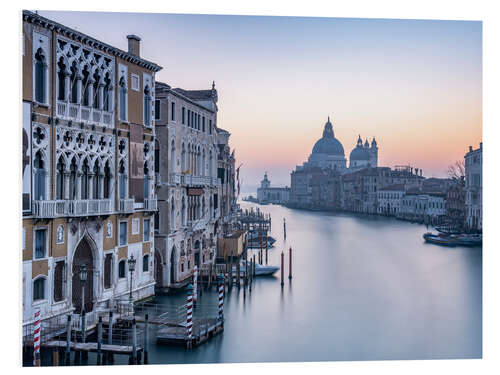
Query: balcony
(150, 204)
(126, 205)
(196, 225)
(175, 178)
(77, 112)
(62, 208)
(190, 180)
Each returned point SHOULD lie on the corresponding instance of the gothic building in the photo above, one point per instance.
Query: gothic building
(187, 185)
(88, 182)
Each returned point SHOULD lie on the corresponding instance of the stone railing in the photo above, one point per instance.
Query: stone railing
(77, 112)
(175, 178)
(58, 208)
(151, 204)
(126, 205)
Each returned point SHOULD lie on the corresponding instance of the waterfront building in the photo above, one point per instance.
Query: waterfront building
(455, 204)
(474, 188)
(268, 194)
(227, 180)
(423, 206)
(188, 188)
(389, 199)
(88, 182)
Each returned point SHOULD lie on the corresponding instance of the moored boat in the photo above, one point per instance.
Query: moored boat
(260, 270)
(439, 239)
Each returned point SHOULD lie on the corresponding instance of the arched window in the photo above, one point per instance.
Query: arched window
(107, 93)
(107, 180)
(40, 77)
(85, 180)
(147, 106)
(108, 268)
(122, 99)
(157, 156)
(39, 289)
(74, 83)
(61, 80)
(85, 87)
(145, 263)
(60, 179)
(59, 277)
(183, 158)
(95, 180)
(172, 157)
(122, 180)
(172, 214)
(146, 181)
(40, 173)
(203, 207)
(72, 179)
(96, 103)
(121, 269)
(183, 211)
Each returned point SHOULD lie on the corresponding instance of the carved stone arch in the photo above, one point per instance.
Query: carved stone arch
(84, 253)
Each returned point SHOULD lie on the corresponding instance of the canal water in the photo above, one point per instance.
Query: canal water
(363, 288)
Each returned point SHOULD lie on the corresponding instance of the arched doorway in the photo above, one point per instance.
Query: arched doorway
(158, 269)
(172, 266)
(83, 256)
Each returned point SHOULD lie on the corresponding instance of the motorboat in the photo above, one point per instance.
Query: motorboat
(454, 239)
(260, 270)
(439, 239)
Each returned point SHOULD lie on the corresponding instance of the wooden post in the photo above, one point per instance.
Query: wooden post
(55, 357)
(250, 272)
(146, 339)
(68, 340)
(284, 228)
(253, 275)
(267, 245)
(290, 266)
(134, 342)
(282, 268)
(195, 285)
(99, 342)
(238, 277)
(111, 358)
(189, 316)
(37, 327)
(85, 354)
(260, 251)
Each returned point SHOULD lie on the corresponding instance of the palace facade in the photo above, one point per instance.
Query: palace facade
(88, 170)
(189, 192)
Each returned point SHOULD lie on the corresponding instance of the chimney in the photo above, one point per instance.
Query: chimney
(481, 145)
(134, 43)
(470, 148)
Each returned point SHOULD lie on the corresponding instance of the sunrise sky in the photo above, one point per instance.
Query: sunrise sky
(414, 85)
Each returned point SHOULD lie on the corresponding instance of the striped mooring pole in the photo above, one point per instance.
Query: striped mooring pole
(221, 297)
(189, 317)
(36, 337)
(195, 285)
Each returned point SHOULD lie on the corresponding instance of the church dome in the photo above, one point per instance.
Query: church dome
(359, 153)
(328, 144)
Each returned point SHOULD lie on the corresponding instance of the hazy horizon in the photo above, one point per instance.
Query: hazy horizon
(416, 85)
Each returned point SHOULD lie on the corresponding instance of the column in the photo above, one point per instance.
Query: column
(66, 185)
(91, 185)
(101, 185)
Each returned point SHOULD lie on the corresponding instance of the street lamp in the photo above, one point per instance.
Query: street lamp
(131, 268)
(83, 278)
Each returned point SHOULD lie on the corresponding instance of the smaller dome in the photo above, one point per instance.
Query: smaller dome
(359, 153)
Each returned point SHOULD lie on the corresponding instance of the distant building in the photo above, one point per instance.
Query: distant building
(389, 199)
(364, 156)
(455, 204)
(474, 188)
(268, 194)
(420, 206)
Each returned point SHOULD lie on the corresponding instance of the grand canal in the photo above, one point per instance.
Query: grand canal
(363, 288)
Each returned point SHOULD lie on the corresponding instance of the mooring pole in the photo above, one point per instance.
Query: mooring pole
(253, 266)
(146, 339)
(267, 245)
(290, 266)
(85, 354)
(99, 341)
(111, 358)
(284, 228)
(221, 298)
(189, 316)
(195, 285)
(68, 340)
(134, 342)
(282, 268)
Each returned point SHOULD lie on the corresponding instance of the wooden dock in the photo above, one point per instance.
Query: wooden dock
(91, 347)
(202, 331)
